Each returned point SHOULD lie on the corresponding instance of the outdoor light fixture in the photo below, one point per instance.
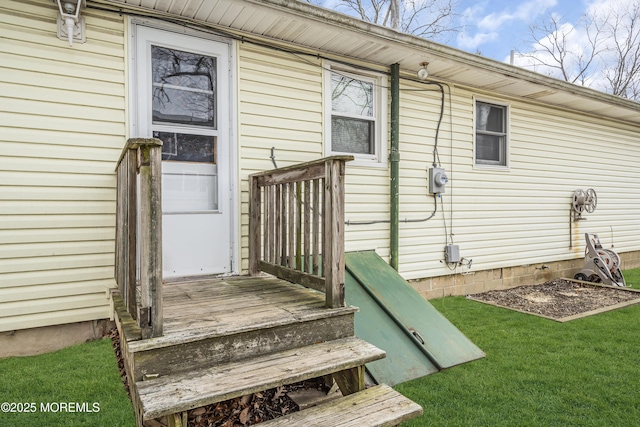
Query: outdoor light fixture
(70, 24)
(423, 73)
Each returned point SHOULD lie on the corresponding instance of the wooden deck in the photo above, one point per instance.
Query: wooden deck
(228, 319)
(226, 337)
(229, 305)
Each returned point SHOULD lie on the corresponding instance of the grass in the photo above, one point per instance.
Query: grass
(537, 372)
(85, 374)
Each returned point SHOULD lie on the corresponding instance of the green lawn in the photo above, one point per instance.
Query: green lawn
(76, 386)
(537, 372)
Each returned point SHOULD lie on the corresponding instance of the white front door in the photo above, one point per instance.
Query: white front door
(182, 93)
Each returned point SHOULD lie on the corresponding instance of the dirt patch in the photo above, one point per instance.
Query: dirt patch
(559, 299)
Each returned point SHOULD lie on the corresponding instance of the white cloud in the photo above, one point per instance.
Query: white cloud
(482, 28)
(578, 45)
(471, 15)
(596, 6)
(542, 52)
(472, 42)
(525, 12)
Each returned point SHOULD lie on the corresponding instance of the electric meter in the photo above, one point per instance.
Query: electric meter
(437, 180)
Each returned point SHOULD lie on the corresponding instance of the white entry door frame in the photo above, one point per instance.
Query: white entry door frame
(182, 94)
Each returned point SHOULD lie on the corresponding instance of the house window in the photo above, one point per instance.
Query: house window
(491, 134)
(357, 113)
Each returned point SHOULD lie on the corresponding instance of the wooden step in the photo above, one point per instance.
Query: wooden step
(183, 391)
(250, 317)
(378, 406)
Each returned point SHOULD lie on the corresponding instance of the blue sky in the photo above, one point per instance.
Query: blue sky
(494, 27)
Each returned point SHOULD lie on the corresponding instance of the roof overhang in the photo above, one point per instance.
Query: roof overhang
(324, 31)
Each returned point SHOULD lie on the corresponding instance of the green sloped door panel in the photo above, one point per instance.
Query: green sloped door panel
(404, 361)
(419, 340)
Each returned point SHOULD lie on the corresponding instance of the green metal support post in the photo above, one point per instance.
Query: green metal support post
(394, 160)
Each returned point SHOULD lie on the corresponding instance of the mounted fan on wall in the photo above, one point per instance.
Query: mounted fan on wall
(583, 201)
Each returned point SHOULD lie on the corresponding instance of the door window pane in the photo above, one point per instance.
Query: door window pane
(189, 172)
(184, 87)
(181, 147)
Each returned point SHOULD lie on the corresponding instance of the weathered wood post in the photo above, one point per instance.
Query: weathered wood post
(120, 256)
(131, 225)
(333, 217)
(298, 220)
(126, 227)
(254, 226)
(150, 170)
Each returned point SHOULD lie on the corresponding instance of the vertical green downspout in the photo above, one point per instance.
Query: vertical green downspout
(394, 159)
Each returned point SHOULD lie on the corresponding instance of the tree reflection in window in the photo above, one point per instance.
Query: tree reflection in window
(351, 96)
(184, 87)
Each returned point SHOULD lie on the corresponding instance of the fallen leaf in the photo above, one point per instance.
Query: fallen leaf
(244, 415)
(198, 411)
(246, 399)
(279, 393)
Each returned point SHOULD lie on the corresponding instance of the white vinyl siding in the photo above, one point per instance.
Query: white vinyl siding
(421, 244)
(520, 216)
(62, 127)
(279, 106)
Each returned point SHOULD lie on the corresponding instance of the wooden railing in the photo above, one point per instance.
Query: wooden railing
(296, 225)
(139, 169)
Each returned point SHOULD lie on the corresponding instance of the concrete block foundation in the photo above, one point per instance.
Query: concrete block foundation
(476, 282)
(29, 342)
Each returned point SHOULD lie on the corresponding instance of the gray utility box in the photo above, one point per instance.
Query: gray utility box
(452, 254)
(437, 180)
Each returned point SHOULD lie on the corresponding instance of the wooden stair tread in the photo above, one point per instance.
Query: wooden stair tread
(183, 391)
(284, 317)
(378, 406)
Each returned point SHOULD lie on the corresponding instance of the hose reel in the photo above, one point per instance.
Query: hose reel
(600, 265)
(583, 201)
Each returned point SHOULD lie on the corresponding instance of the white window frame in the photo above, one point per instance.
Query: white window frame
(507, 132)
(380, 99)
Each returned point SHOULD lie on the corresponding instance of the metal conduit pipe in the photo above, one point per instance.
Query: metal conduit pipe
(394, 160)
